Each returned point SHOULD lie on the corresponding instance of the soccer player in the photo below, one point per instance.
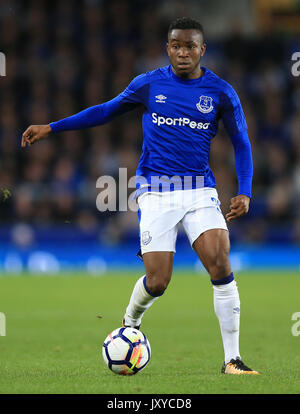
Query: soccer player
(183, 103)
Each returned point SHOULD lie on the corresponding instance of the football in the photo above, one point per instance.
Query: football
(126, 351)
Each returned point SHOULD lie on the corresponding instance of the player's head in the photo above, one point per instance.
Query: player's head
(185, 46)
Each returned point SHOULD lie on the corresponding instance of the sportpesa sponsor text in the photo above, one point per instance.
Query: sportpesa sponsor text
(161, 120)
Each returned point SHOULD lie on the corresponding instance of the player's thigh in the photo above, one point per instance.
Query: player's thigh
(158, 223)
(212, 248)
(207, 231)
(200, 220)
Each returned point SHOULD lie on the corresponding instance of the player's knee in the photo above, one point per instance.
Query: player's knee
(157, 283)
(220, 265)
(219, 270)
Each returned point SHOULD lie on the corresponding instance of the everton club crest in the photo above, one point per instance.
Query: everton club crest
(146, 238)
(205, 104)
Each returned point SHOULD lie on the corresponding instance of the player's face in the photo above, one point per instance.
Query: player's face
(185, 49)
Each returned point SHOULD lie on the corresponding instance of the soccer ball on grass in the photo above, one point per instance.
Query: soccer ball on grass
(126, 351)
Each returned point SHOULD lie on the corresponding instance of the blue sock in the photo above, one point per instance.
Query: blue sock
(224, 280)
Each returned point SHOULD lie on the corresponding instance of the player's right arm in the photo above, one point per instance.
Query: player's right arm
(134, 95)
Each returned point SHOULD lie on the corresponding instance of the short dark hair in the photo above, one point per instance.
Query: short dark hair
(186, 23)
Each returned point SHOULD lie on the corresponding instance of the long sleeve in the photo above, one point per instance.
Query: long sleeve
(134, 95)
(236, 126)
(243, 162)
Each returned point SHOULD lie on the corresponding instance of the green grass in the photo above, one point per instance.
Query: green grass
(53, 337)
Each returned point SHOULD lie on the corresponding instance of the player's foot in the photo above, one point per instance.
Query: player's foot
(128, 326)
(236, 366)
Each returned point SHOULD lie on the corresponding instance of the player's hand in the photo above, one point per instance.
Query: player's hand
(35, 133)
(239, 207)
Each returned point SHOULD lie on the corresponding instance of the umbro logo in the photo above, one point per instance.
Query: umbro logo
(160, 98)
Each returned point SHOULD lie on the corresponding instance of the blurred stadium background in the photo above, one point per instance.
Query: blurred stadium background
(63, 56)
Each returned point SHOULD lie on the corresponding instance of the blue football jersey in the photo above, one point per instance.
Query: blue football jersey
(180, 119)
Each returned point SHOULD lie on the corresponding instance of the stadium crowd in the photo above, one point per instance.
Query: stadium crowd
(63, 56)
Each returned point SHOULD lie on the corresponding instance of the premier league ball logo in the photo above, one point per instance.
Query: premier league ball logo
(205, 104)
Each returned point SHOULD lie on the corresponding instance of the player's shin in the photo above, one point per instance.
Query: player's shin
(227, 309)
(140, 300)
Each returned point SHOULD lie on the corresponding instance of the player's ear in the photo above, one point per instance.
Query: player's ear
(167, 49)
(203, 49)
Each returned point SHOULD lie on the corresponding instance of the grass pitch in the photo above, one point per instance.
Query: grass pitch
(53, 336)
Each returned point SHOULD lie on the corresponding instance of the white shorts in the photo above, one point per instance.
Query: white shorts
(161, 212)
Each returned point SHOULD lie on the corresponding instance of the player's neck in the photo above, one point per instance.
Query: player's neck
(197, 73)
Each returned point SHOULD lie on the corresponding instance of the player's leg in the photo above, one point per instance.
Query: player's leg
(207, 231)
(150, 287)
(158, 231)
(213, 248)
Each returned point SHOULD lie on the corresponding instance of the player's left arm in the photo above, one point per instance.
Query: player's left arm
(133, 96)
(236, 126)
